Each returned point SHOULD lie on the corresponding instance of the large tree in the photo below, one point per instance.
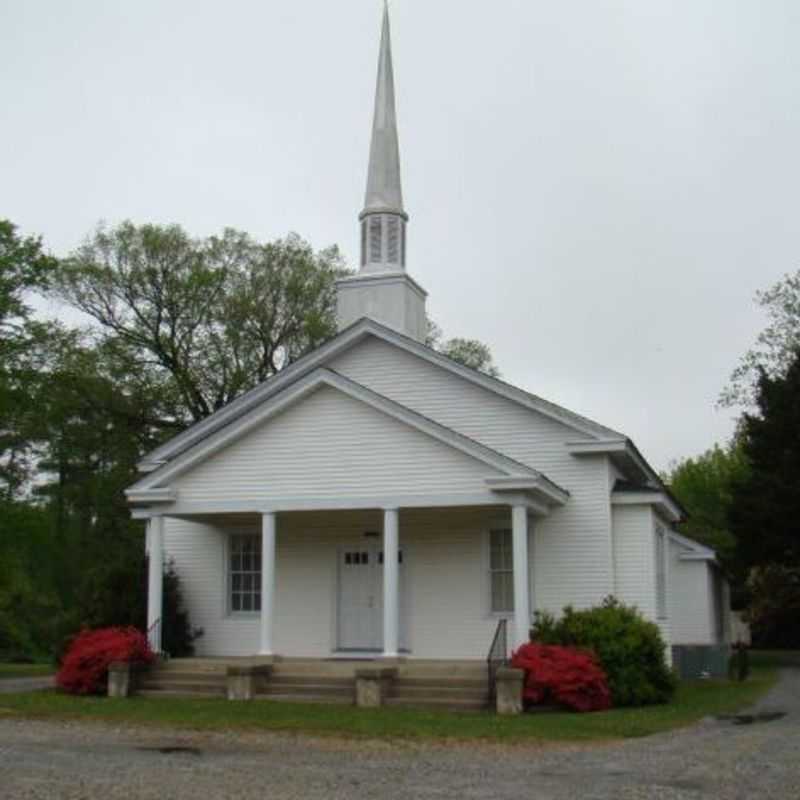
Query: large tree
(704, 485)
(775, 346)
(765, 512)
(203, 320)
(24, 268)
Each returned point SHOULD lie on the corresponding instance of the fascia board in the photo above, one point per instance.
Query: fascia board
(659, 499)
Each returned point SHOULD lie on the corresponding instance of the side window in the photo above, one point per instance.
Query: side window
(661, 572)
(501, 572)
(244, 573)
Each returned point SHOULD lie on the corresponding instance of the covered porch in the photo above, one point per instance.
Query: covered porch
(389, 583)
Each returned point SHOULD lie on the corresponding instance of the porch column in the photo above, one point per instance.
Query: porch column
(391, 601)
(267, 582)
(155, 581)
(522, 608)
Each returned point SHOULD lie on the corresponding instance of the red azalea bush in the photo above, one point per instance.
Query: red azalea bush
(563, 675)
(84, 669)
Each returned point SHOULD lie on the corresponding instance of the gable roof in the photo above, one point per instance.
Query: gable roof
(344, 340)
(221, 438)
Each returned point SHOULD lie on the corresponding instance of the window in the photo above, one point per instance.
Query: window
(245, 573)
(661, 573)
(501, 572)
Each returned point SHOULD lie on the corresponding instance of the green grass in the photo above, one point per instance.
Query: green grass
(25, 670)
(692, 702)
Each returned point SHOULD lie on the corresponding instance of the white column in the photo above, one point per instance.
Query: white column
(522, 606)
(391, 583)
(155, 581)
(267, 583)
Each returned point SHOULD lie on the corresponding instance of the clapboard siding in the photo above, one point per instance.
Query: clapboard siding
(691, 607)
(446, 601)
(573, 544)
(330, 445)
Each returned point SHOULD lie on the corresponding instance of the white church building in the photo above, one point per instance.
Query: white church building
(376, 499)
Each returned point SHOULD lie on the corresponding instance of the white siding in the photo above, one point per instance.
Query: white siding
(634, 558)
(691, 608)
(445, 557)
(330, 445)
(573, 544)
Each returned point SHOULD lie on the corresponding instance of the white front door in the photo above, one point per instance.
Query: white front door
(360, 612)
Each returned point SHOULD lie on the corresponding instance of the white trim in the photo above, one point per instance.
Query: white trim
(699, 551)
(302, 388)
(377, 503)
(344, 341)
(653, 498)
(551, 492)
(158, 495)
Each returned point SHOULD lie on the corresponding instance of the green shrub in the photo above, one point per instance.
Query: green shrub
(629, 648)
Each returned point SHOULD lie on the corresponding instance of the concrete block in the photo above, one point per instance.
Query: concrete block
(372, 684)
(508, 685)
(242, 682)
(119, 679)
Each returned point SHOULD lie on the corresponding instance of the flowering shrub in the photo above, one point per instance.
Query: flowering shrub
(84, 669)
(562, 675)
(628, 647)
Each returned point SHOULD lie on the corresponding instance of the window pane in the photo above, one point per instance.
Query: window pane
(236, 601)
(497, 591)
(508, 586)
(247, 602)
(257, 602)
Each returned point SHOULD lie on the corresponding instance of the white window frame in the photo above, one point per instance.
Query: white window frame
(253, 573)
(491, 572)
(661, 573)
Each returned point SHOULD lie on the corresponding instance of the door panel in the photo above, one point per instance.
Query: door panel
(360, 611)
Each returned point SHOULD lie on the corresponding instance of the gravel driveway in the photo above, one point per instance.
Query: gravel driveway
(712, 760)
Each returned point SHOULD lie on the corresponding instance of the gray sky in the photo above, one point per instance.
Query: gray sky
(596, 189)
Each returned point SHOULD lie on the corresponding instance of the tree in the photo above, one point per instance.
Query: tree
(201, 320)
(765, 512)
(24, 267)
(704, 486)
(775, 345)
(469, 352)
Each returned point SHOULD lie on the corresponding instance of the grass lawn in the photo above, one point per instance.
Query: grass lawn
(25, 670)
(693, 701)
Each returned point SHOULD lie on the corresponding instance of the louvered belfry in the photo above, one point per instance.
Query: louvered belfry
(382, 289)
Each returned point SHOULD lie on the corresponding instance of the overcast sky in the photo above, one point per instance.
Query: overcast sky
(596, 188)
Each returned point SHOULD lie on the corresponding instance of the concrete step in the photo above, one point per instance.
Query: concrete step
(302, 688)
(438, 703)
(444, 692)
(438, 682)
(183, 677)
(183, 686)
(170, 692)
(304, 697)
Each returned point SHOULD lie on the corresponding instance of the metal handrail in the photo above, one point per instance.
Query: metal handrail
(498, 657)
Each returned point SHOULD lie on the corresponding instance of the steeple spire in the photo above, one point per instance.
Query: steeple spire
(383, 290)
(384, 192)
(383, 219)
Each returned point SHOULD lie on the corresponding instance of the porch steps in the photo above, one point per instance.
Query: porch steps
(184, 678)
(458, 686)
(457, 694)
(308, 687)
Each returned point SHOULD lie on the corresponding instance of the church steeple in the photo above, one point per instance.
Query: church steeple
(382, 290)
(383, 219)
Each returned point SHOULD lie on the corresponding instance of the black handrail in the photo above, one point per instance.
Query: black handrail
(498, 657)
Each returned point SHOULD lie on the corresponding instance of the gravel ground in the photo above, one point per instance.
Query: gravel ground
(714, 759)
